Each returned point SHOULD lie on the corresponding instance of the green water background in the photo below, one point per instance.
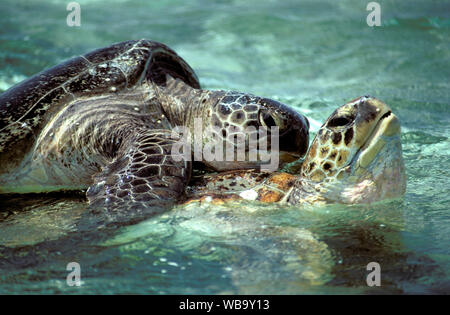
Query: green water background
(313, 55)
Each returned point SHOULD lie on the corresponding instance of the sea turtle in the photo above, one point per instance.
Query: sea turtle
(103, 122)
(356, 157)
(261, 247)
(266, 247)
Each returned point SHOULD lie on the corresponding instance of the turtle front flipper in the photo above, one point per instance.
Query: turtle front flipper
(143, 180)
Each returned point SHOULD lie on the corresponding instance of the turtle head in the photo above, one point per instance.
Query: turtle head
(236, 117)
(357, 156)
(238, 130)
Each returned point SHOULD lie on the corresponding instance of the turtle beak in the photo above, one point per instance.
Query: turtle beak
(293, 130)
(294, 140)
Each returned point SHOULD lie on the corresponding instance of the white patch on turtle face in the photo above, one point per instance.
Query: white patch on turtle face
(249, 194)
(208, 199)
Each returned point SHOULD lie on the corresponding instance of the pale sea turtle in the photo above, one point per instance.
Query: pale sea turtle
(103, 121)
(356, 157)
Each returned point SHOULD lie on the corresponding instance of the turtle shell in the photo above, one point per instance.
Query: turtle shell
(28, 106)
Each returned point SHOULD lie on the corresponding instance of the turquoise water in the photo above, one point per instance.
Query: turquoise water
(313, 55)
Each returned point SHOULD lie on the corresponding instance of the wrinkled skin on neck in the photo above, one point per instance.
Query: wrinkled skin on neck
(356, 157)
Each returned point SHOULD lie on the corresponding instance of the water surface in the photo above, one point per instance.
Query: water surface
(313, 55)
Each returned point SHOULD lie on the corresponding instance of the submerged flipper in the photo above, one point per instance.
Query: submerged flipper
(143, 180)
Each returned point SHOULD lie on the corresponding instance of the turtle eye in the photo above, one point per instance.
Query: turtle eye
(268, 120)
(340, 121)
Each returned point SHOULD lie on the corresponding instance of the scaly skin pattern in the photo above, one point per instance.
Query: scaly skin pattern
(227, 116)
(356, 157)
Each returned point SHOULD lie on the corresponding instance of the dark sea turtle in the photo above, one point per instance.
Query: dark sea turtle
(356, 157)
(103, 121)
